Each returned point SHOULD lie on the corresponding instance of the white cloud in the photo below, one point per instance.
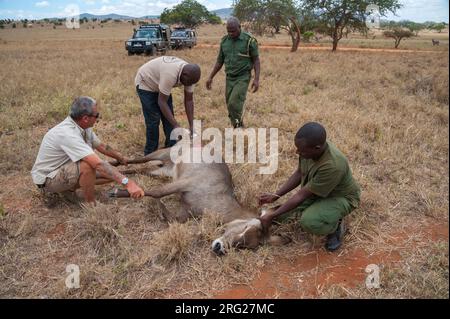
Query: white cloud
(421, 11)
(135, 8)
(42, 4)
(89, 2)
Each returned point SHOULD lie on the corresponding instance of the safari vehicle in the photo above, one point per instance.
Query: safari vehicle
(149, 39)
(183, 38)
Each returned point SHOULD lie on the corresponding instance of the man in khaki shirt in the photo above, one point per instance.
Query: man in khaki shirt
(66, 160)
(154, 82)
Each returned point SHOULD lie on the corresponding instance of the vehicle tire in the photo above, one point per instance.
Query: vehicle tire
(130, 53)
(153, 51)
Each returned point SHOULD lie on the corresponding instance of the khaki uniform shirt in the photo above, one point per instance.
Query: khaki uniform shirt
(330, 176)
(161, 75)
(238, 54)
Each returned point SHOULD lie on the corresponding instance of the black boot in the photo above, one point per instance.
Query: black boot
(238, 124)
(334, 240)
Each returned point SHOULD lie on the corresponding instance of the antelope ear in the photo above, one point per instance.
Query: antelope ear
(263, 212)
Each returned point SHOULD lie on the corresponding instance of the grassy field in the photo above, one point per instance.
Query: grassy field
(388, 112)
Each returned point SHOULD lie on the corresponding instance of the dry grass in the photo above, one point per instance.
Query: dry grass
(387, 112)
(423, 273)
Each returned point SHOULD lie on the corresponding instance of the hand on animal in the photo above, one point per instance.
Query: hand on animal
(267, 198)
(123, 160)
(255, 86)
(266, 221)
(209, 84)
(134, 190)
(181, 133)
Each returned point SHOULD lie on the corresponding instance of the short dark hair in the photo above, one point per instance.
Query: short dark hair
(82, 106)
(314, 134)
(192, 72)
(234, 21)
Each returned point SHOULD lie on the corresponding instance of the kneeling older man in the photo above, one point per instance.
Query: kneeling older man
(66, 160)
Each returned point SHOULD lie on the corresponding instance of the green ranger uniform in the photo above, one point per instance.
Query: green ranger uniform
(335, 191)
(237, 55)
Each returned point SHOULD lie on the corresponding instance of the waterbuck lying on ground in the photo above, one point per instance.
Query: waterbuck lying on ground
(207, 187)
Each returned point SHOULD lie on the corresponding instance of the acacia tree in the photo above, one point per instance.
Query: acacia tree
(412, 26)
(189, 13)
(270, 14)
(337, 17)
(398, 34)
(439, 27)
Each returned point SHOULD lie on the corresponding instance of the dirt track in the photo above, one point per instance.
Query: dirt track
(285, 47)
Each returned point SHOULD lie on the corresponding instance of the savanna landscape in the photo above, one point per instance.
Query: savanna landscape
(386, 109)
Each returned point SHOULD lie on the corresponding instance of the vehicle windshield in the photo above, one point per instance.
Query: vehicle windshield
(178, 33)
(146, 34)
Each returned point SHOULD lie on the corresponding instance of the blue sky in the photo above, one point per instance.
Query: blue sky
(417, 10)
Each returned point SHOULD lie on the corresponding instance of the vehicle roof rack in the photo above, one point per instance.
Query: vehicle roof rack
(154, 26)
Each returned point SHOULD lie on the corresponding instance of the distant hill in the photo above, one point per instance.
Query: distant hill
(149, 17)
(224, 13)
(112, 16)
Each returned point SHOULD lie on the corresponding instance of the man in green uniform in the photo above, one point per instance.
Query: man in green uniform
(239, 52)
(328, 191)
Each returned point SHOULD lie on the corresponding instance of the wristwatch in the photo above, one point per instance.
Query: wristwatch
(125, 181)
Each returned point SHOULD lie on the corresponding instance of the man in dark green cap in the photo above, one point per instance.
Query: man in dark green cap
(328, 191)
(239, 52)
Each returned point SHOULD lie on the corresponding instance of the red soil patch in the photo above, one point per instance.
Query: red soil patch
(18, 198)
(56, 231)
(307, 275)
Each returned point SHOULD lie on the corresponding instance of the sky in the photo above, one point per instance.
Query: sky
(416, 10)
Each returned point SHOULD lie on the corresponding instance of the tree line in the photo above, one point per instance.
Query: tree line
(333, 18)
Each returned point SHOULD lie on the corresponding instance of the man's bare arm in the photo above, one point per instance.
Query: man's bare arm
(107, 171)
(289, 205)
(257, 67)
(216, 69)
(109, 151)
(165, 109)
(291, 183)
(189, 107)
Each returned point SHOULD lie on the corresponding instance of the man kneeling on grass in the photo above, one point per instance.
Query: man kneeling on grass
(66, 160)
(328, 191)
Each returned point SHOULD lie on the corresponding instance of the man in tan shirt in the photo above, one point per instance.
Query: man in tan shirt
(154, 82)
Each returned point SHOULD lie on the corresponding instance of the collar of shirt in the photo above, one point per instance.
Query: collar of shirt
(83, 132)
(240, 37)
